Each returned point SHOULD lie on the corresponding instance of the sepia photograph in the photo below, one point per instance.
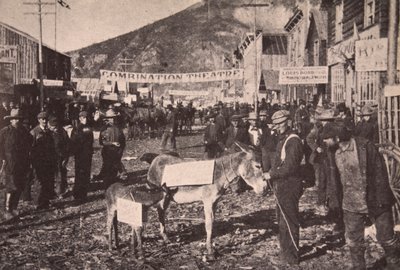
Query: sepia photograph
(199, 134)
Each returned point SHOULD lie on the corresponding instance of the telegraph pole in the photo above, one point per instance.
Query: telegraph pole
(392, 40)
(40, 13)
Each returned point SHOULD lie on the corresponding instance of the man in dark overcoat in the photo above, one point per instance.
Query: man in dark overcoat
(15, 146)
(213, 139)
(170, 130)
(288, 187)
(62, 146)
(113, 141)
(366, 194)
(367, 127)
(82, 149)
(43, 162)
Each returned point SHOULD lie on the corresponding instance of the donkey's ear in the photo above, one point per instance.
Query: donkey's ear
(244, 148)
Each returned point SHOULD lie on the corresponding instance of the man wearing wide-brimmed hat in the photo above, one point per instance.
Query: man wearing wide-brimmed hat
(43, 162)
(15, 146)
(288, 188)
(368, 126)
(113, 141)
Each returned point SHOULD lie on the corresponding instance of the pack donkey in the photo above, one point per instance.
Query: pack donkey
(227, 168)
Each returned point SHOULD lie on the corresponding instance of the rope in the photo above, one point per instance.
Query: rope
(284, 217)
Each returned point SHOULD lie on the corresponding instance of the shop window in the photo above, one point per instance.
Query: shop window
(339, 22)
(369, 12)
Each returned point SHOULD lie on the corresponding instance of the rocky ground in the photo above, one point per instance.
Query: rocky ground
(74, 237)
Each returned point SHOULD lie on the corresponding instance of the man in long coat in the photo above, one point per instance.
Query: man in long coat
(43, 162)
(15, 146)
(82, 148)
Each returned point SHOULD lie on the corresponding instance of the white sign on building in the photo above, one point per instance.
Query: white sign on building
(8, 54)
(303, 75)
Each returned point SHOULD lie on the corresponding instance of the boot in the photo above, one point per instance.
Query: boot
(357, 258)
(392, 252)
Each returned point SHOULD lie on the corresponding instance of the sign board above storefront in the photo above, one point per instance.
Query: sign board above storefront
(161, 78)
(303, 75)
(371, 54)
(8, 54)
(345, 49)
(392, 90)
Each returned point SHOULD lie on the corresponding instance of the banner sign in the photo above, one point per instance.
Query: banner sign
(303, 75)
(218, 75)
(371, 55)
(8, 54)
(345, 49)
(189, 173)
(392, 90)
(53, 83)
(187, 93)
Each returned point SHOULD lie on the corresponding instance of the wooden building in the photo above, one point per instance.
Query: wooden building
(19, 66)
(274, 56)
(357, 59)
(316, 46)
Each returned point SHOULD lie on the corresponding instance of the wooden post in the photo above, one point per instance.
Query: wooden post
(392, 40)
(41, 58)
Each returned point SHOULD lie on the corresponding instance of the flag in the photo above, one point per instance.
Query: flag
(63, 4)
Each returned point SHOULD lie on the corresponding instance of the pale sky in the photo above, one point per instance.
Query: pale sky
(88, 21)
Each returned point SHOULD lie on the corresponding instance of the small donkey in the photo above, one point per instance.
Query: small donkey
(147, 197)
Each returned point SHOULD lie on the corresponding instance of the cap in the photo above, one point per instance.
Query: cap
(83, 114)
(53, 121)
(236, 117)
(280, 117)
(252, 116)
(325, 115)
(43, 115)
(366, 110)
(263, 113)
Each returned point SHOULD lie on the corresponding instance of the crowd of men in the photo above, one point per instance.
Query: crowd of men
(34, 158)
(350, 175)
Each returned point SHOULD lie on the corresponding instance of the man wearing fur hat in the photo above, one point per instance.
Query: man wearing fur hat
(15, 146)
(366, 194)
(43, 162)
(287, 186)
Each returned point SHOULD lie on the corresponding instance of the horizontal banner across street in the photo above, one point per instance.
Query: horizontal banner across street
(303, 75)
(187, 93)
(161, 78)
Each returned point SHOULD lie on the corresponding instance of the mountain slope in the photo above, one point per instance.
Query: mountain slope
(192, 40)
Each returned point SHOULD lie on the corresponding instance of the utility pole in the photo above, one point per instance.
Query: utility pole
(393, 32)
(40, 13)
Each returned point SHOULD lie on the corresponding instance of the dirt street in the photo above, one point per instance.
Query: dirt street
(245, 231)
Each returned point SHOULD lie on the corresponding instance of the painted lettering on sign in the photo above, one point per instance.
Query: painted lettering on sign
(220, 75)
(8, 54)
(303, 75)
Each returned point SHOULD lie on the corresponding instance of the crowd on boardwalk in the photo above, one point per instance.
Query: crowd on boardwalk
(350, 175)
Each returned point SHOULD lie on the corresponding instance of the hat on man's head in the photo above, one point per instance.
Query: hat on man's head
(280, 117)
(14, 114)
(169, 107)
(83, 114)
(110, 114)
(252, 116)
(341, 107)
(302, 102)
(236, 117)
(53, 121)
(263, 113)
(43, 115)
(325, 115)
(330, 130)
(210, 115)
(366, 110)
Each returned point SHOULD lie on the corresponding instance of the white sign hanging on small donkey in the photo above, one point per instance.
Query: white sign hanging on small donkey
(130, 212)
(192, 173)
